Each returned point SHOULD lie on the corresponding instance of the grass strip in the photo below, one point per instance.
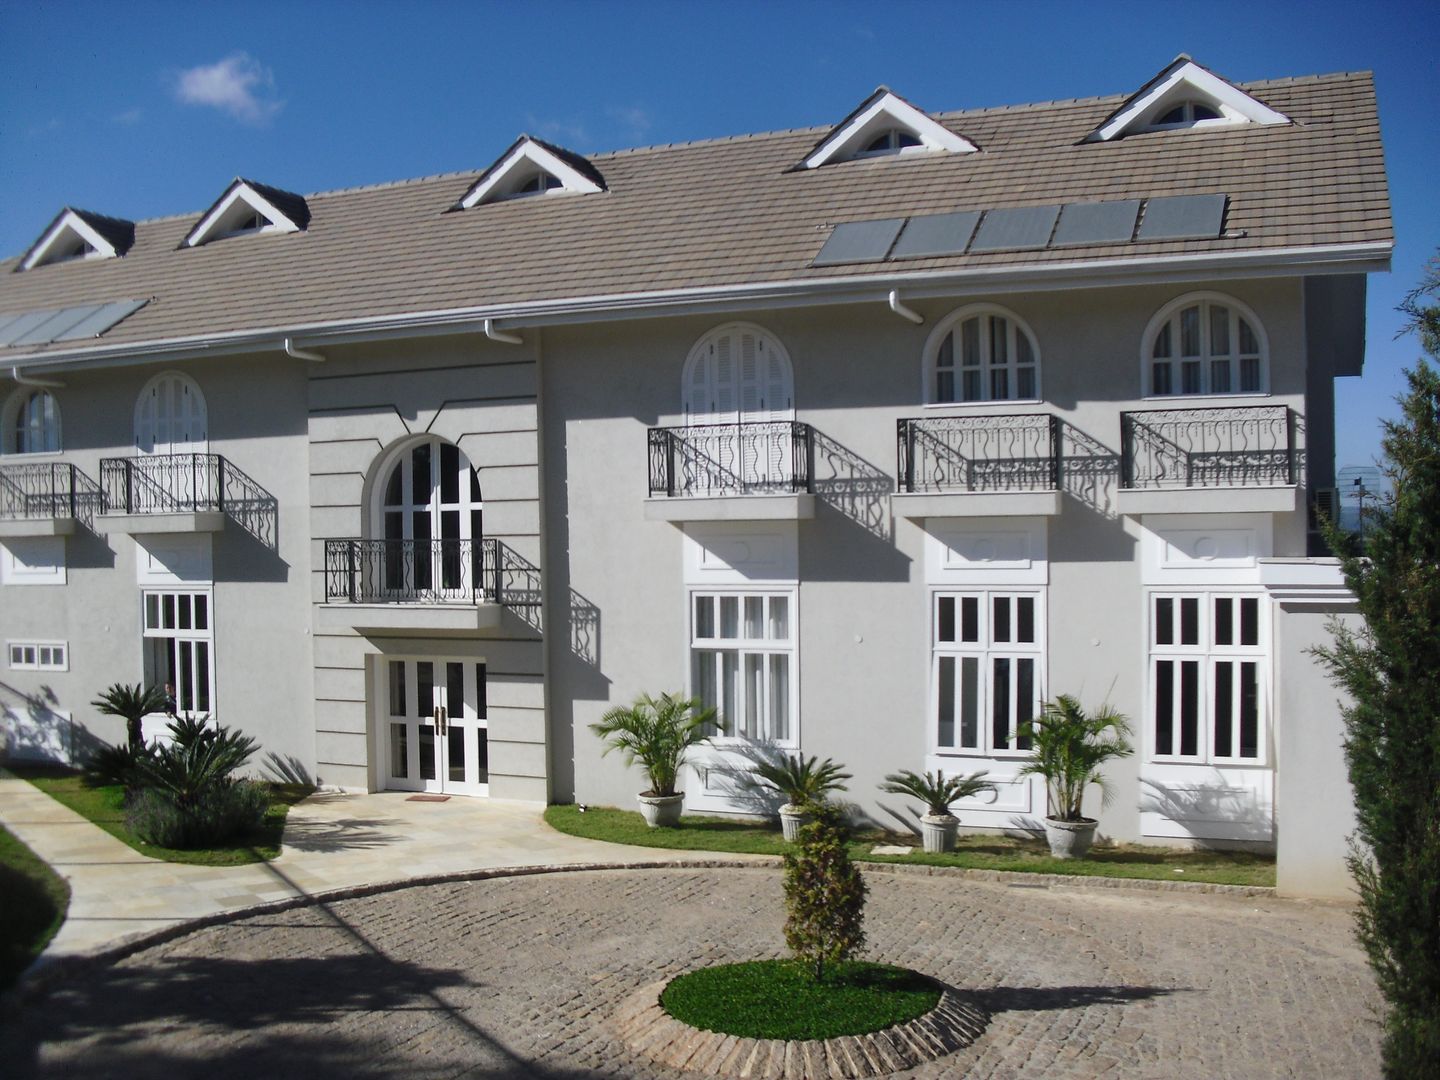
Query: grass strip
(781, 999)
(1019, 855)
(105, 807)
(33, 902)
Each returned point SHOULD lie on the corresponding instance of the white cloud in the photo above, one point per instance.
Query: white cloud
(237, 85)
(129, 117)
(635, 119)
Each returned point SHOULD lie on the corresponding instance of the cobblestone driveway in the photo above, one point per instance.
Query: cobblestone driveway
(520, 977)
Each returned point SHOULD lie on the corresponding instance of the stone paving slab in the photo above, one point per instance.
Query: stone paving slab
(529, 975)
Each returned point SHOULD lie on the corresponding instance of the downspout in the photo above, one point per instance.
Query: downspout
(904, 312)
(500, 335)
(31, 380)
(301, 354)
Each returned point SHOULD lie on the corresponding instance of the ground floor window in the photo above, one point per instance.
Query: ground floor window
(987, 669)
(39, 656)
(179, 640)
(1208, 670)
(743, 659)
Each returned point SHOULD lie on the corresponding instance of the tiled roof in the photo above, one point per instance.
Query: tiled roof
(732, 212)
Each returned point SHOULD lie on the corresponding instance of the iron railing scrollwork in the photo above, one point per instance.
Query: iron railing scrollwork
(163, 484)
(38, 490)
(766, 457)
(414, 571)
(1250, 446)
(978, 453)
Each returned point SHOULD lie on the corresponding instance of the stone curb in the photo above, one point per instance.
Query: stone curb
(647, 1029)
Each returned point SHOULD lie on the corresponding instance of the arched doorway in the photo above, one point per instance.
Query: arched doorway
(429, 512)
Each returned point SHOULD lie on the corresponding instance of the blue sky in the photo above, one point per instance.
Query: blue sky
(148, 109)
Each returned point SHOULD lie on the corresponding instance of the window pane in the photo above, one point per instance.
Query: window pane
(945, 694)
(1189, 708)
(969, 618)
(999, 384)
(1249, 375)
(1025, 618)
(185, 687)
(754, 617)
(970, 343)
(455, 753)
(152, 612)
(999, 340)
(167, 611)
(1220, 376)
(455, 689)
(1190, 377)
(971, 386)
(703, 679)
(1000, 702)
(1160, 379)
(184, 611)
(1224, 707)
(704, 616)
(397, 688)
(1224, 621)
(945, 386)
(779, 618)
(1249, 344)
(1190, 331)
(482, 703)
(945, 358)
(202, 612)
(1164, 706)
(482, 756)
(729, 616)
(945, 629)
(1000, 619)
(202, 676)
(754, 696)
(1164, 621)
(780, 697)
(1219, 330)
(449, 474)
(1190, 620)
(970, 702)
(729, 677)
(1025, 383)
(1249, 710)
(393, 493)
(427, 751)
(1024, 697)
(399, 752)
(1250, 621)
(1162, 344)
(424, 688)
(420, 476)
(1023, 353)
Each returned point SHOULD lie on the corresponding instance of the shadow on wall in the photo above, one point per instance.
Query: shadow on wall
(288, 770)
(32, 730)
(853, 486)
(1211, 803)
(1089, 470)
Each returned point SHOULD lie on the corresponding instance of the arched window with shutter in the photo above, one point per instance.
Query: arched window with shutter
(170, 416)
(31, 423)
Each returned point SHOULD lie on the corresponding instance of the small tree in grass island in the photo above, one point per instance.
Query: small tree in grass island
(824, 895)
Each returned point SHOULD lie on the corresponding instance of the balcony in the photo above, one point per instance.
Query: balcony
(982, 466)
(1235, 460)
(184, 493)
(45, 499)
(759, 471)
(400, 586)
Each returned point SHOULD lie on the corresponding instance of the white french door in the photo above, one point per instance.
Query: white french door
(170, 416)
(435, 734)
(431, 514)
(739, 375)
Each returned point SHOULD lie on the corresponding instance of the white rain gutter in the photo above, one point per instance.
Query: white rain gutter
(302, 354)
(30, 380)
(904, 312)
(500, 335)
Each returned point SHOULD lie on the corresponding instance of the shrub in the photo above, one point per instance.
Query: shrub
(198, 761)
(219, 814)
(658, 733)
(802, 780)
(119, 764)
(1070, 746)
(824, 895)
(133, 704)
(936, 790)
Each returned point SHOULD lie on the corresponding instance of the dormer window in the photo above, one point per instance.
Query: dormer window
(1185, 96)
(885, 124)
(79, 234)
(1186, 114)
(532, 167)
(248, 208)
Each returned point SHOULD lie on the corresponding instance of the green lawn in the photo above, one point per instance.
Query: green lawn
(781, 999)
(976, 852)
(105, 807)
(33, 901)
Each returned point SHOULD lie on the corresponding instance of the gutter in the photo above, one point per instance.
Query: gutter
(30, 380)
(855, 288)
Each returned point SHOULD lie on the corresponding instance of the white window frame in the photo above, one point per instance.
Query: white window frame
(33, 655)
(985, 649)
(1209, 655)
(744, 647)
(236, 207)
(1170, 316)
(1016, 327)
(185, 704)
(16, 422)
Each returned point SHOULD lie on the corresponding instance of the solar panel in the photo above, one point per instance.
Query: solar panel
(23, 324)
(1096, 223)
(101, 320)
(56, 325)
(64, 324)
(6, 320)
(1025, 227)
(936, 234)
(859, 241)
(1182, 217)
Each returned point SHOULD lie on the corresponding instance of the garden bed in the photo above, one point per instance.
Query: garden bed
(973, 852)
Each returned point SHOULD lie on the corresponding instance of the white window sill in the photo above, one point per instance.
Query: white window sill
(996, 403)
(1249, 395)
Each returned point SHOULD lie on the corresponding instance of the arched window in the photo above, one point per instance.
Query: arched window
(1186, 114)
(738, 374)
(1205, 343)
(31, 423)
(982, 353)
(428, 509)
(891, 141)
(170, 416)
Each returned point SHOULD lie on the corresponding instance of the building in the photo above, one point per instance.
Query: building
(873, 436)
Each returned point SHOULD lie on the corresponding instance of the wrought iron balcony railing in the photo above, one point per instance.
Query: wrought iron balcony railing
(189, 483)
(52, 489)
(768, 457)
(978, 453)
(414, 571)
(1251, 446)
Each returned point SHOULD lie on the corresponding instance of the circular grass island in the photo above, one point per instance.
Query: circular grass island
(773, 1018)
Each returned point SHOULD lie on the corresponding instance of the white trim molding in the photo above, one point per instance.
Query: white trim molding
(521, 163)
(1185, 81)
(228, 217)
(60, 239)
(885, 110)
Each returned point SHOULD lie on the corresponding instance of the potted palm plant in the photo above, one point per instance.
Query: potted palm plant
(658, 733)
(1070, 746)
(937, 791)
(804, 782)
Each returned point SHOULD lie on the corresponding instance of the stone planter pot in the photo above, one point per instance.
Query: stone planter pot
(661, 811)
(1070, 839)
(792, 818)
(937, 833)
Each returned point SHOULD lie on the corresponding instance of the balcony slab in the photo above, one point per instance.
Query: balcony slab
(681, 508)
(942, 504)
(27, 527)
(193, 521)
(410, 620)
(1209, 500)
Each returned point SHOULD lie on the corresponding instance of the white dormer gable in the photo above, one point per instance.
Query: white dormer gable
(245, 208)
(1185, 95)
(532, 167)
(885, 123)
(72, 236)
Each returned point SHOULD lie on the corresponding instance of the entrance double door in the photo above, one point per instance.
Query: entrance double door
(436, 735)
